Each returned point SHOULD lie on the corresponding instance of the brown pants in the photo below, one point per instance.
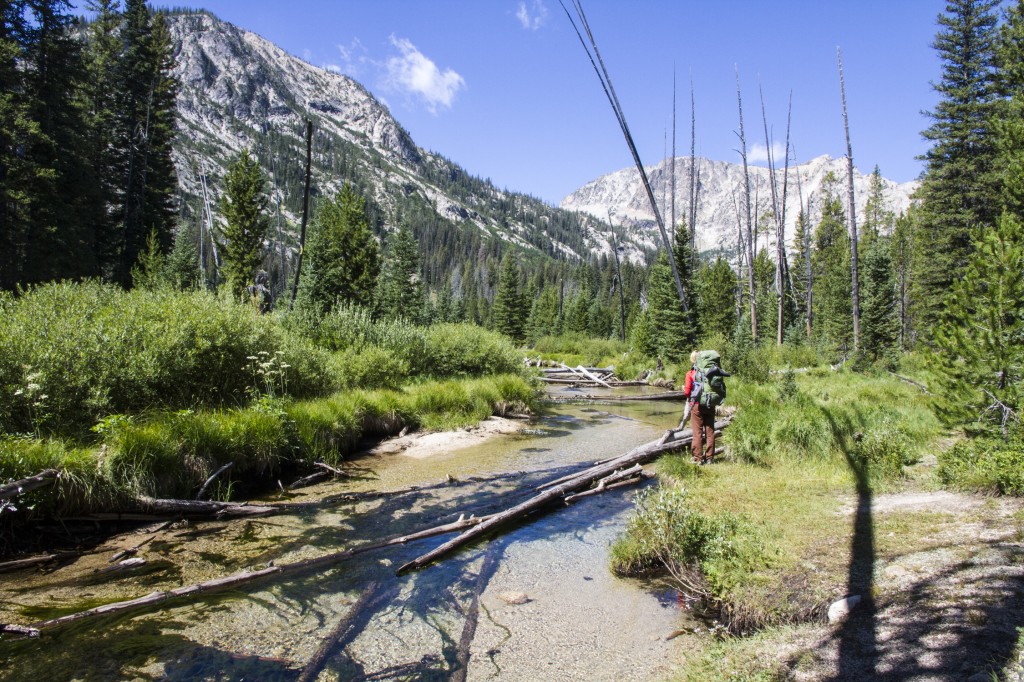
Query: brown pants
(702, 421)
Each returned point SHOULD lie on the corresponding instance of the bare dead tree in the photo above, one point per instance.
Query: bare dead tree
(739, 258)
(783, 258)
(672, 176)
(609, 91)
(750, 233)
(694, 180)
(622, 286)
(853, 215)
(776, 214)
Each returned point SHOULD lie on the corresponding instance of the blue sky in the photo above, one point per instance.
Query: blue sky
(504, 88)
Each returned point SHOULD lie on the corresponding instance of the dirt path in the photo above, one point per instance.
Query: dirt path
(946, 602)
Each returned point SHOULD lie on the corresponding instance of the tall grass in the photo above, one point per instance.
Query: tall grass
(74, 353)
(170, 454)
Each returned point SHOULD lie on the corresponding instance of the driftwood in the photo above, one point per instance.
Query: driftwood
(638, 455)
(245, 577)
(19, 564)
(40, 480)
(912, 382)
(215, 474)
(337, 472)
(306, 481)
(592, 376)
(631, 476)
(339, 635)
(668, 395)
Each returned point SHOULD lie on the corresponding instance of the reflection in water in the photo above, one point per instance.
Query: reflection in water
(446, 620)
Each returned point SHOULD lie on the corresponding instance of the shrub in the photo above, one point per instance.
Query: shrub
(988, 465)
(664, 531)
(95, 350)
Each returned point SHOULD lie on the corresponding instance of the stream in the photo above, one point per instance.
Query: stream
(578, 621)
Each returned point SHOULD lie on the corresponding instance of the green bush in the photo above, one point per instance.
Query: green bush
(93, 350)
(664, 530)
(988, 465)
(80, 488)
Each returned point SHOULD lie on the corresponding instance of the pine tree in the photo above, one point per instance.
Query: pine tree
(902, 251)
(17, 131)
(182, 269)
(958, 190)
(672, 329)
(715, 288)
(244, 206)
(143, 133)
(543, 319)
(981, 357)
(879, 310)
(102, 55)
(400, 284)
(344, 258)
(507, 312)
(878, 219)
(831, 270)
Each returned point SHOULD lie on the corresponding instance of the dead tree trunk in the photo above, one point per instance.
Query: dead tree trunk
(638, 455)
(40, 480)
(853, 211)
(750, 227)
(340, 635)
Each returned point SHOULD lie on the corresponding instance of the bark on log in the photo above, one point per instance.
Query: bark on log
(43, 478)
(668, 395)
(217, 473)
(638, 455)
(593, 377)
(307, 481)
(202, 508)
(19, 564)
(632, 480)
(245, 577)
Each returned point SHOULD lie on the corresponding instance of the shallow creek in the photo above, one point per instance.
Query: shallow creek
(578, 623)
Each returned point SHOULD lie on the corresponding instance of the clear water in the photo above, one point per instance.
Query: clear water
(580, 623)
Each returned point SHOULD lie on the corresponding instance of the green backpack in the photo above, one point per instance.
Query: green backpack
(708, 379)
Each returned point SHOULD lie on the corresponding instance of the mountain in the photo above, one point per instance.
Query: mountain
(720, 197)
(239, 90)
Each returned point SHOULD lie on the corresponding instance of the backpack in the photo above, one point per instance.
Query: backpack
(708, 379)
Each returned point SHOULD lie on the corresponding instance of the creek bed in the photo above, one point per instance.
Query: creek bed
(579, 622)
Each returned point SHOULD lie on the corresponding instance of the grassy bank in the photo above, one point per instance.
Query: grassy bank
(170, 453)
(757, 534)
(149, 392)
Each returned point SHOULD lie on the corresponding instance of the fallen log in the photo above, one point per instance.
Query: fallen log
(306, 481)
(217, 473)
(668, 395)
(593, 377)
(245, 577)
(40, 480)
(19, 564)
(638, 455)
(632, 480)
(912, 382)
(202, 508)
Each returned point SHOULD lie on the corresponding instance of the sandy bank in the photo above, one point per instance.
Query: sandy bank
(424, 444)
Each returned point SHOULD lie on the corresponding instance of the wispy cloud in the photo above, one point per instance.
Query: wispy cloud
(759, 153)
(411, 72)
(353, 58)
(534, 16)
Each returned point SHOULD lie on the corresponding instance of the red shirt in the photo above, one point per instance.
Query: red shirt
(688, 386)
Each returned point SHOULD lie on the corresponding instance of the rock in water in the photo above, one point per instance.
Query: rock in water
(514, 598)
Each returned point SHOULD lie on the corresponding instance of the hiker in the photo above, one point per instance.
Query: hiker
(705, 391)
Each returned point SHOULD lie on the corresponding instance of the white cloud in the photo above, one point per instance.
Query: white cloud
(532, 17)
(413, 73)
(333, 68)
(759, 153)
(353, 58)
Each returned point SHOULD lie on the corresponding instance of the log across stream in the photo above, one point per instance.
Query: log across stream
(437, 621)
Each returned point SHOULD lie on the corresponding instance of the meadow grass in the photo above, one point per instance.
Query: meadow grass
(769, 511)
(164, 453)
